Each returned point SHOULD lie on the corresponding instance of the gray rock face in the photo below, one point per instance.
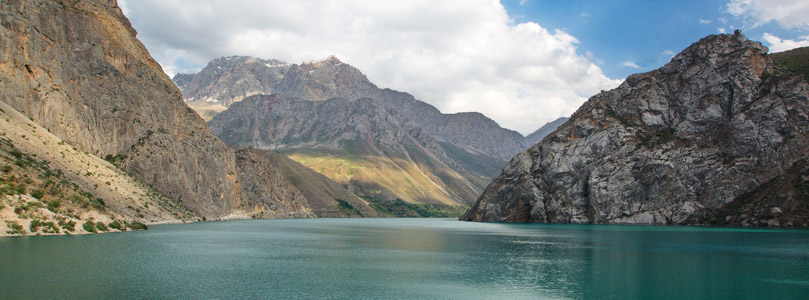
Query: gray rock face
(76, 68)
(229, 79)
(330, 78)
(713, 124)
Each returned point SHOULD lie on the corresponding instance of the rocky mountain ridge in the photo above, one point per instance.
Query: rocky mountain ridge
(331, 78)
(694, 137)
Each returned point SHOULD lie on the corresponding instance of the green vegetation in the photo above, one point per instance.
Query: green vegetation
(116, 225)
(54, 205)
(101, 226)
(22, 189)
(135, 225)
(35, 224)
(50, 227)
(115, 160)
(794, 61)
(16, 228)
(38, 194)
(69, 226)
(348, 208)
(399, 208)
(89, 226)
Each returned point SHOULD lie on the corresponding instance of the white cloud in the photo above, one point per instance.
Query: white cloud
(721, 30)
(630, 64)
(589, 54)
(585, 14)
(457, 55)
(788, 13)
(523, 2)
(702, 21)
(779, 45)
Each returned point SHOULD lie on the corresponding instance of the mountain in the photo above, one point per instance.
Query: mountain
(471, 142)
(706, 139)
(545, 130)
(361, 144)
(76, 69)
(228, 79)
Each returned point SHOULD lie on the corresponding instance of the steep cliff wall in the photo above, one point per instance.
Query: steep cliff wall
(714, 124)
(76, 68)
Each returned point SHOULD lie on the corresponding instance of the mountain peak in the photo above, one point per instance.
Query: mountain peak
(330, 61)
(724, 52)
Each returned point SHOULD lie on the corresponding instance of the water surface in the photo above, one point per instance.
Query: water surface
(409, 259)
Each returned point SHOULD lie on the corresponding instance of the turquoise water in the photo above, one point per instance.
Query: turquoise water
(409, 259)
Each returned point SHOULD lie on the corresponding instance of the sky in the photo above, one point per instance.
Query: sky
(522, 63)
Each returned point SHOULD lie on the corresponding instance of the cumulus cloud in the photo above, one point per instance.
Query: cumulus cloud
(787, 13)
(703, 21)
(778, 44)
(457, 55)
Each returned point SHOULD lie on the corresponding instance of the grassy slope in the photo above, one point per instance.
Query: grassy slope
(327, 198)
(382, 181)
(795, 60)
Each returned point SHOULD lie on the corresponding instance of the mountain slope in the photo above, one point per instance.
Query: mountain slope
(795, 61)
(359, 143)
(45, 180)
(712, 125)
(537, 136)
(76, 69)
(324, 194)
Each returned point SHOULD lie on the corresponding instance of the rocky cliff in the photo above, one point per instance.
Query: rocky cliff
(360, 143)
(695, 136)
(76, 69)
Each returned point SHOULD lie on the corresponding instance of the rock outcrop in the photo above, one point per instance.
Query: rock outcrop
(712, 125)
(76, 69)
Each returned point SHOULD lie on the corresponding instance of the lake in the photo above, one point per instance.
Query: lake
(409, 259)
